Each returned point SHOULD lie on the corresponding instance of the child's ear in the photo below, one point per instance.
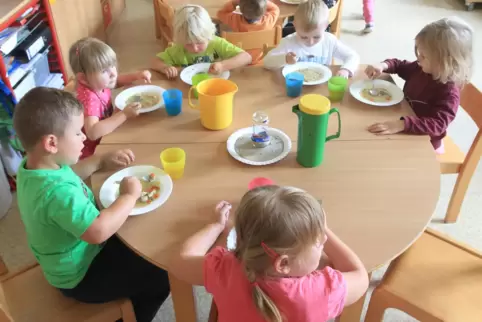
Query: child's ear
(282, 265)
(50, 143)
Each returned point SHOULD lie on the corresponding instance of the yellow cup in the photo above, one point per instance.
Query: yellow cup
(173, 161)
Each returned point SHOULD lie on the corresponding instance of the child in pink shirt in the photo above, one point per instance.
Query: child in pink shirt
(275, 272)
(95, 66)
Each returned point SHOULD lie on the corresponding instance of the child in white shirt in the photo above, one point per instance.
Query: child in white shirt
(311, 43)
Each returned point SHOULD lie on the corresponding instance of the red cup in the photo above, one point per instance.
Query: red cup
(259, 182)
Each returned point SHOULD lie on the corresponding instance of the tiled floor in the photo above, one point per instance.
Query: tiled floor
(397, 23)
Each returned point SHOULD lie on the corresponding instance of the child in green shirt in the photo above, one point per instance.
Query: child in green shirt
(195, 42)
(72, 239)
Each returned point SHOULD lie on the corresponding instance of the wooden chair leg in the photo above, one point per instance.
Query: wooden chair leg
(127, 311)
(353, 312)
(457, 198)
(213, 313)
(376, 308)
(183, 300)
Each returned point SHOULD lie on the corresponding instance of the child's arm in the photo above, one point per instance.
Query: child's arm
(403, 68)
(348, 56)
(127, 79)
(346, 261)
(241, 59)
(271, 15)
(163, 64)
(188, 265)
(95, 128)
(227, 16)
(120, 158)
(281, 55)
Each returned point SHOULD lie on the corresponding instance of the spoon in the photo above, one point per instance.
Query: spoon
(373, 91)
(144, 178)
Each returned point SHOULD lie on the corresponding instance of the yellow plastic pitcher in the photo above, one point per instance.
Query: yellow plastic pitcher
(215, 102)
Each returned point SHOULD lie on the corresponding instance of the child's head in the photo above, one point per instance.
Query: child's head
(444, 50)
(193, 28)
(310, 21)
(280, 232)
(49, 124)
(94, 63)
(252, 10)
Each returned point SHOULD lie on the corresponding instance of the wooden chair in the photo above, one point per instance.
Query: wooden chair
(436, 280)
(455, 161)
(3, 267)
(335, 18)
(163, 18)
(25, 296)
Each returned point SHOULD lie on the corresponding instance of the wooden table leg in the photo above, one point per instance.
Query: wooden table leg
(353, 312)
(183, 300)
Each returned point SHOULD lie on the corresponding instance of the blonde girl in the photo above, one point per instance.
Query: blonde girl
(94, 64)
(276, 272)
(433, 82)
(195, 42)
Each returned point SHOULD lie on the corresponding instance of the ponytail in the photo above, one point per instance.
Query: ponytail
(264, 304)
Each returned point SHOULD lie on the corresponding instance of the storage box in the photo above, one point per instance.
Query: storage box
(40, 68)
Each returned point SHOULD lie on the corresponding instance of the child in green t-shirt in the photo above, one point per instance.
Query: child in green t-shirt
(195, 42)
(73, 241)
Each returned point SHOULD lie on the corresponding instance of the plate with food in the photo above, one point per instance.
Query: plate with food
(376, 92)
(291, 1)
(156, 188)
(150, 97)
(314, 73)
(203, 68)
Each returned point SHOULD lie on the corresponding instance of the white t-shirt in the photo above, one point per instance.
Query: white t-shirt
(323, 52)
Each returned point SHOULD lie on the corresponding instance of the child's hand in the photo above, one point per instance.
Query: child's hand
(373, 71)
(145, 76)
(343, 73)
(130, 186)
(222, 212)
(170, 72)
(119, 158)
(386, 128)
(291, 58)
(216, 68)
(132, 110)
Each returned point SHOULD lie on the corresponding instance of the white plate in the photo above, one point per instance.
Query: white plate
(318, 67)
(276, 151)
(121, 99)
(295, 2)
(231, 240)
(394, 90)
(110, 190)
(188, 72)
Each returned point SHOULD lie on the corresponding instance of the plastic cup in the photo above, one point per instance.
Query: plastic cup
(337, 88)
(196, 79)
(173, 101)
(294, 84)
(173, 161)
(259, 182)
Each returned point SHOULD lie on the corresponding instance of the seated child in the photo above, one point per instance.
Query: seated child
(195, 42)
(311, 43)
(255, 15)
(433, 82)
(95, 66)
(275, 273)
(288, 29)
(73, 241)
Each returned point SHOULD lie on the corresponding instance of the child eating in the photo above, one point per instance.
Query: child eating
(195, 42)
(311, 43)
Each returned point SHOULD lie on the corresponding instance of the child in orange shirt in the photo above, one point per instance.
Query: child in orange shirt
(255, 15)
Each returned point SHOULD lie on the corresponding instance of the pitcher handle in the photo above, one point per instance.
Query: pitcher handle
(189, 95)
(337, 135)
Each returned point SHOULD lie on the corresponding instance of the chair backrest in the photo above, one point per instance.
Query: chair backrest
(471, 102)
(335, 18)
(164, 19)
(254, 39)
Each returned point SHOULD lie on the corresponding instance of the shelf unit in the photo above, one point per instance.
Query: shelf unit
(44, 14)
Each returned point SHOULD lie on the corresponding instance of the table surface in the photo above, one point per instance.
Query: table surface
(259, 89)
(9, 7)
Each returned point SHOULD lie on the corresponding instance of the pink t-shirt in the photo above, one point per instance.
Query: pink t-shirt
(317, 297)
(96, 104)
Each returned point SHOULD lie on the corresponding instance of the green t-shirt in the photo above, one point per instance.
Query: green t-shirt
(218, 49)
(57, 208)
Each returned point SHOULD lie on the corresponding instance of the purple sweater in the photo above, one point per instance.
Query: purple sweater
(435, 104)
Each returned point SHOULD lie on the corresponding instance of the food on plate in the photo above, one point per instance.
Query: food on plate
(382, 95)
(145, 99)
(151, 189)
(311, 75)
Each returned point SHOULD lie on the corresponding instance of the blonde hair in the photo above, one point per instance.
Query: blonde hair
(311, 14)
(448, 43)
(252, 9)
(287, 220)
(192, 24)
(91, 55)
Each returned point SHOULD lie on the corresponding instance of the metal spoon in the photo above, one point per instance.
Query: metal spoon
(373, 91)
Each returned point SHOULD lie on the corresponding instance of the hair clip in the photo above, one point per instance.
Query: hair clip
(254, 284)
(271, 253)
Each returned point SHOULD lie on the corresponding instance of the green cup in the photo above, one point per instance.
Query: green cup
(337, 88)
(196, 79)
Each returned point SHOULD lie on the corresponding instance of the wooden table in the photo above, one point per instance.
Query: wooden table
(379, 192)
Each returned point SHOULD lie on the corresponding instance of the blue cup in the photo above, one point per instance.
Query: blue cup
(294, 84)
(173, 101)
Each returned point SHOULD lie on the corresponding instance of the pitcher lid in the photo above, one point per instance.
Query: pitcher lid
(314, 104)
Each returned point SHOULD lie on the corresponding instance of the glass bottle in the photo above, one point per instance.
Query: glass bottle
(260, 136)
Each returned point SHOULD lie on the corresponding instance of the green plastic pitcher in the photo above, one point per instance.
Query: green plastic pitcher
(313, 114)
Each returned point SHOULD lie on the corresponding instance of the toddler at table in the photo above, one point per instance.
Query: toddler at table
(72, 239)
(433, 82)
(311, 43)
(255, 15)
(275, 273)
(195, 42)
(94, 64)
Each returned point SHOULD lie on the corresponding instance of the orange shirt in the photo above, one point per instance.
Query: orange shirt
(237, 23)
